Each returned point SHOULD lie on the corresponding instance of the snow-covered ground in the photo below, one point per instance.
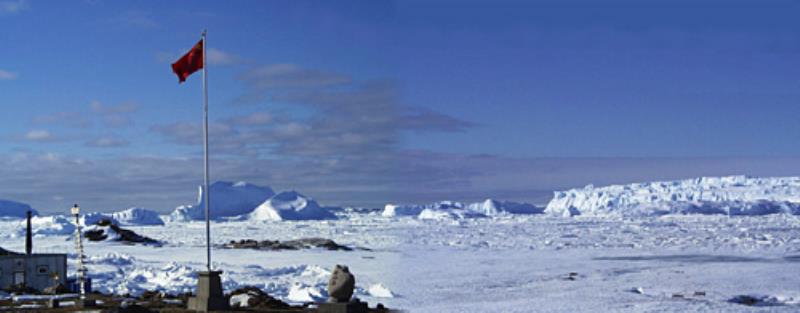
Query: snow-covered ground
(674, 262)
(508, 264)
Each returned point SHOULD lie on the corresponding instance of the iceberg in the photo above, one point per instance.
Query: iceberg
(393, 210)
(290, 205)
(459, 210)
(492, 207)
(137, 216)
(227, 200)
(15, 209)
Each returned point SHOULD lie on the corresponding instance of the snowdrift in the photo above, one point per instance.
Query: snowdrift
(458, 210)
(290, 205)
(15, 209)
(730, 195)
(227, 200)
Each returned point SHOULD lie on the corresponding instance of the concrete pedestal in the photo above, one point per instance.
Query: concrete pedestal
(209, 296)
(348, 307)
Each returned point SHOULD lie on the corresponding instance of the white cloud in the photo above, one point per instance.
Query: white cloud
(292, 76)
(219, 57)
(6, 75)
(11, 7)
(253, 119)
(127, 107)
(39, 135)
(137, 19)
(115, 115)
(107, 142)
(66, 118)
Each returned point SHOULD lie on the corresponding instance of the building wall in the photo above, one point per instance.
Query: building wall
(38, 270)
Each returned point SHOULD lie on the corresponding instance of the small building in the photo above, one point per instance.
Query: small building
(34, 270)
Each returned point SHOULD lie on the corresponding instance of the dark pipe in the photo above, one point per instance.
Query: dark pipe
(28, 237)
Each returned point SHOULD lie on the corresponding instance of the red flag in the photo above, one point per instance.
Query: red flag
(189, 63)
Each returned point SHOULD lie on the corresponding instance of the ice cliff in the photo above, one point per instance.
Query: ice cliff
(730, 195)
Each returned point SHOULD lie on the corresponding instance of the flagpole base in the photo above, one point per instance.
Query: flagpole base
(209, 296)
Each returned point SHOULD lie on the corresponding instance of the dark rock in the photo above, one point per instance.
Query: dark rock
(297, 244)
(757, 300)
(259, 298)
(134, 308)
(132, 237)
(95, 235)
(152, 296)
(105, 226)
(745, 299)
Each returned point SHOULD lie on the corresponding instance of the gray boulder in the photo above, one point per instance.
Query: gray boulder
(341, 285)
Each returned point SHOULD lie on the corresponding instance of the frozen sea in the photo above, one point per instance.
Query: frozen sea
(511, 263)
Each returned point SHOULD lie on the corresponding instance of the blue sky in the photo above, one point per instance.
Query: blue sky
(367, 102)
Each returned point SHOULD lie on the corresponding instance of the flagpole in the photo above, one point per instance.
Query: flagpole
(205, 154)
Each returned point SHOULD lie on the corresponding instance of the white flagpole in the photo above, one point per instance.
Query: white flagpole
(205, 154)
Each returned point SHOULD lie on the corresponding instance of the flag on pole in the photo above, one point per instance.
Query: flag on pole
(191, 62)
